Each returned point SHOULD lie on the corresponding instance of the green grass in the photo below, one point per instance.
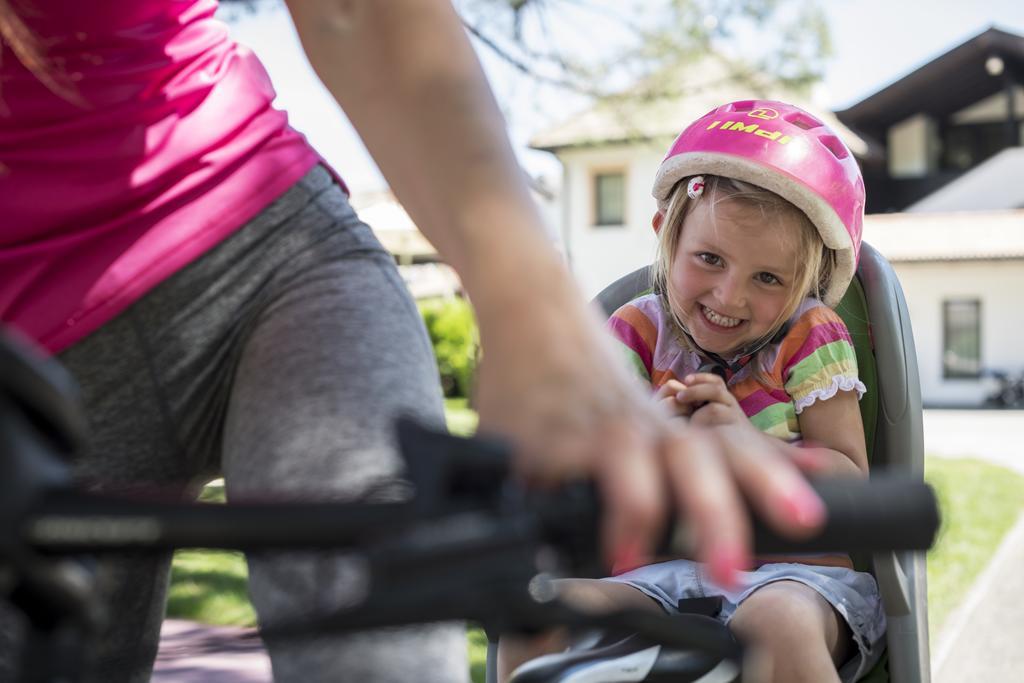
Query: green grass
(210, 587)
(979, 503)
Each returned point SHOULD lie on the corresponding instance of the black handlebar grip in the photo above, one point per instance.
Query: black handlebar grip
(891, 511)
(887, 512)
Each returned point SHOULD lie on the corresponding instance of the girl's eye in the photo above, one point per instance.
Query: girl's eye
(768, 279)
(710, 259)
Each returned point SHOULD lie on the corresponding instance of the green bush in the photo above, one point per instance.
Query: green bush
(452, 328)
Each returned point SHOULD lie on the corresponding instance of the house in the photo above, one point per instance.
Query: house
(963, 277)
(951, 130)
(419, 263)
(609, 155)
(942, 167)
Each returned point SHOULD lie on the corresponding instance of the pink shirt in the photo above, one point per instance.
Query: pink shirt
(167, 144)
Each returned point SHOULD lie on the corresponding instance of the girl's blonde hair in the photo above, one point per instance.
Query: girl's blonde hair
(31, 52)
(809, 281)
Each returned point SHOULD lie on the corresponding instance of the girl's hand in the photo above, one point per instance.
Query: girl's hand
(708, 401)
(666, 398)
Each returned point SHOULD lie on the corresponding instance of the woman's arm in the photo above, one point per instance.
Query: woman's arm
(406, 75)
(408, 79)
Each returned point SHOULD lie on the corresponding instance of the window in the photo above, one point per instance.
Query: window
(961, 338)
(610, 198)
(967, 145)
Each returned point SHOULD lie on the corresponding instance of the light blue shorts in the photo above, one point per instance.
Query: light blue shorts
(854, 595)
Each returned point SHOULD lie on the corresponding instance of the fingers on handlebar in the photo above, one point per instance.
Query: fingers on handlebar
(771, 481)
(708, 473)
(633, 492)
(711, 507)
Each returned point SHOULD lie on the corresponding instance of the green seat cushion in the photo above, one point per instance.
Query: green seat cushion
(853, 310)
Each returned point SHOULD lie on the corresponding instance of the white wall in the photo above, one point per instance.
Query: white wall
(998, 284)
(913, 147)
(992, 185)
(600, 255)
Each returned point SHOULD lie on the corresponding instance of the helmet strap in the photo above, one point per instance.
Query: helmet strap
(725, 368)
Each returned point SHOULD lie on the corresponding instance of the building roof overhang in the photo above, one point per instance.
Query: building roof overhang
(943, 86)
(948, 236)
(701, 87)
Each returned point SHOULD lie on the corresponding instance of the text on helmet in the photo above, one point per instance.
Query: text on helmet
(753, 128)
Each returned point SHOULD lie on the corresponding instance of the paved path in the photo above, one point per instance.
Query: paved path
(982, 640)
(993, 435)
(194, 653)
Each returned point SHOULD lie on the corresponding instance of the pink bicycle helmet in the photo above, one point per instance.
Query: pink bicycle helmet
(783, 149)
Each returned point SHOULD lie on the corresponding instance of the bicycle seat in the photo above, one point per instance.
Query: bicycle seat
(875, 311)
(43, 391)
(41, 424)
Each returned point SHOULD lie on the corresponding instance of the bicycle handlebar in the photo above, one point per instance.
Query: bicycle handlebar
(887, 512)
(480, 542)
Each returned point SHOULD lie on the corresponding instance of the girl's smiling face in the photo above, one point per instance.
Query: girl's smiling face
(732, 273)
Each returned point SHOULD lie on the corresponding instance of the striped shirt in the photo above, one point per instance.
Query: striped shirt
(813, 361)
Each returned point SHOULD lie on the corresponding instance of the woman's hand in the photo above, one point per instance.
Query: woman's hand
(709, 401)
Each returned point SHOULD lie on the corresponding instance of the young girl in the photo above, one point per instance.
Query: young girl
(760, 209)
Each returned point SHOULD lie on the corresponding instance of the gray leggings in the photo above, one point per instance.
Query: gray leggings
(278, 359)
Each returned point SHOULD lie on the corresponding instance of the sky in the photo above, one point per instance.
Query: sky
(875, 42)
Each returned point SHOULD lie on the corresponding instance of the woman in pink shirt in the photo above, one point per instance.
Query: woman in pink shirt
(200, 271)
